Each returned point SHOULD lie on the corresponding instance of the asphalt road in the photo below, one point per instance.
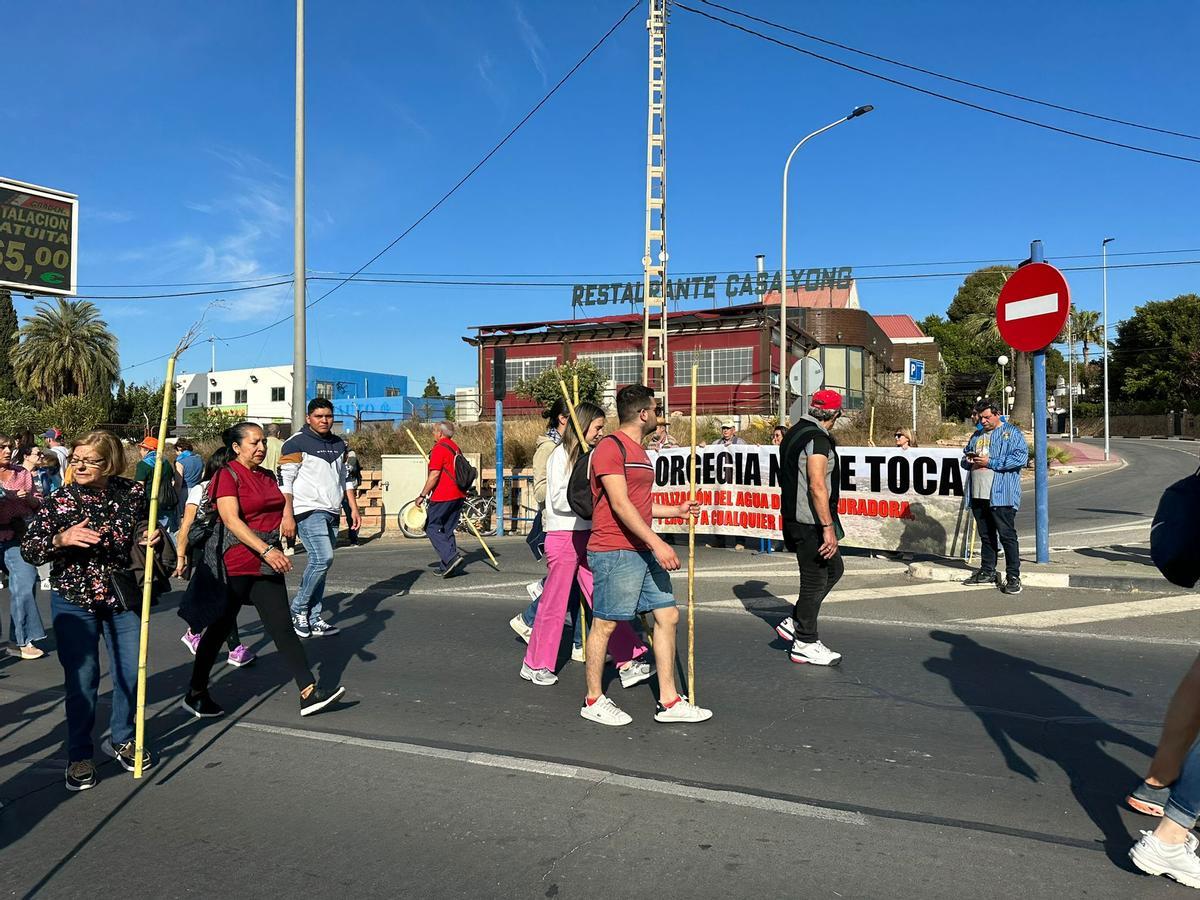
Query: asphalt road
(949, 756)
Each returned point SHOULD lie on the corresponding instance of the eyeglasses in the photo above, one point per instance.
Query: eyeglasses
(85, 463)
(897, 435)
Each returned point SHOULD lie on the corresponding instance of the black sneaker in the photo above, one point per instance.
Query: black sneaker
(451, 566)
(1012, 585)
(201, 705)
(123, 753)
(81, 776)
(318, 700)
(982, 577)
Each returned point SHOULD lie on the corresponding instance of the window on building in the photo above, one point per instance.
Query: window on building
(619, 368)
(215, 398)
(727, 365)
(391, 392)
(518, 370)
(844, 373)
(240, 396)
(325, 389)
(277, 395)
(191, 401)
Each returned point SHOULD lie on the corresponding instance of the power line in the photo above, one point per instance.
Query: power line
(929, 93)
(259, 287)
(951, 78)
(479, 165)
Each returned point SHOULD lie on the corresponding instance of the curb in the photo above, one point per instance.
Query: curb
(942, 572)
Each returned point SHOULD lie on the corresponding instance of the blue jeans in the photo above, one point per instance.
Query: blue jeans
(22, 587)
(318, 532)
(1184, 806)
(77, 633)
(626, 583)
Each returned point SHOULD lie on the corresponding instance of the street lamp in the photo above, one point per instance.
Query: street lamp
(783, 270)
(1104, 267)
(1002, 361)
(1008, 392)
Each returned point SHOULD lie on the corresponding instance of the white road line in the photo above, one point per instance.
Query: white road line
(1033, 306)
(887, 593)
(1078, 615)
(593, 776)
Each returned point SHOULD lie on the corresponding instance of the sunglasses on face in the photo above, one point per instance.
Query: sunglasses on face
(897, 436)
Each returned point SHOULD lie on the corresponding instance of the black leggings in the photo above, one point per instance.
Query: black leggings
(269, 595)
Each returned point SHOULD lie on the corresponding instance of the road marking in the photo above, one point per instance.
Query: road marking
(887, 593)
(1078, 615)
(1033, 306)
(579, 773)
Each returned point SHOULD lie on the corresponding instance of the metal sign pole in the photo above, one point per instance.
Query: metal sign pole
(1041, 468)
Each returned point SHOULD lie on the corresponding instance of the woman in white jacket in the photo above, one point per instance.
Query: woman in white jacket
(566, 561)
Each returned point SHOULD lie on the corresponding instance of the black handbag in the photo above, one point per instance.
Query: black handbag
(536, 539)
(126, 591)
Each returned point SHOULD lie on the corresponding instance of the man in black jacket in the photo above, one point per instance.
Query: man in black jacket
(808, 480)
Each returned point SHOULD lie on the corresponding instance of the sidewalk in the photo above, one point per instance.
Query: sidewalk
(1120, 567)
(1085, 455)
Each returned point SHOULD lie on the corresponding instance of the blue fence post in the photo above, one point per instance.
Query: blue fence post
(1041, 478)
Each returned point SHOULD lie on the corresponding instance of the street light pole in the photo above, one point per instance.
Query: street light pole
(1070, 379)
(1104, 268)
(299, 295)
(783, 270)
(1003, 361)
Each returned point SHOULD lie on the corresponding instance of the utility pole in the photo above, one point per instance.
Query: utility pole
(1070, 378)
(300, 295)
(1104, 254)
(654, 270)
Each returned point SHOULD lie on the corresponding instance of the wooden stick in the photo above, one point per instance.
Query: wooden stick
(692, 550)
(575, 386)
(571, 409)
(871, 431)
(139, 722)
(470, 524)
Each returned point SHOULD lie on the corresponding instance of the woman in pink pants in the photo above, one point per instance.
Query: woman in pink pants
(566, 562)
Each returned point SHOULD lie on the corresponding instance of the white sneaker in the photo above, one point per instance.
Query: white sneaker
(1177, 861)
(605, 712)
(682, 710)
(816, 654)
(786, 629)
(577, 655)
(540, 677)
(636, 672)
(517, 624)
(534, 589)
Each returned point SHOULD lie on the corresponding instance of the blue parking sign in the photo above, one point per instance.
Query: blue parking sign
(914, 371)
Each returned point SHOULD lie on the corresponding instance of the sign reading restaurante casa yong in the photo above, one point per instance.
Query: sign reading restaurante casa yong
(705, 287)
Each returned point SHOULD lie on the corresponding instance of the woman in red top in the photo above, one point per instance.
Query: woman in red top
(253, 562)
(18, 502)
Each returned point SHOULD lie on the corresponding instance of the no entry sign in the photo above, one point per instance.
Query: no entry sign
(1033, 307)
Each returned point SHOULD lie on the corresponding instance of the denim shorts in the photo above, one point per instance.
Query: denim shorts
(628, 582)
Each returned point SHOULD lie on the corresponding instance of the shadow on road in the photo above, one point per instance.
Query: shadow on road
(360, 621)
(1119, 553)
(1044, 720)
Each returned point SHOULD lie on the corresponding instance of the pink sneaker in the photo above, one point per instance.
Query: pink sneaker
(191, 641)
(241, 655)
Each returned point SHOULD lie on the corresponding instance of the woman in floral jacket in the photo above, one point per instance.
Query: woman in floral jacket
(86, 532)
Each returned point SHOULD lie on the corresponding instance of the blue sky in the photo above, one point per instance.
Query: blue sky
(173, 122)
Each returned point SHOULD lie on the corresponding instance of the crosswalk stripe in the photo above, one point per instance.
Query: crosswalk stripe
(886, 593)
(1078, 615)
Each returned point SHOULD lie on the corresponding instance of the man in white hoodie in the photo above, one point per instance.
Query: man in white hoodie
(312, 476)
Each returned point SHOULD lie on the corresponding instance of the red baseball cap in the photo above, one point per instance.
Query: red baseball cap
(826, 399)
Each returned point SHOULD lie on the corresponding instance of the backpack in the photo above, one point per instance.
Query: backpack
(168, 497)
(579, 485)
(1175, 533)
(464, 473)
(207, 515)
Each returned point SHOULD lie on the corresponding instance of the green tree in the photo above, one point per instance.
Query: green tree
(431, 388)
(143, 405)
(1088, 331)
(8, 343)
(208, 423)
(544, 387)
(66, 349)
(1156, 351)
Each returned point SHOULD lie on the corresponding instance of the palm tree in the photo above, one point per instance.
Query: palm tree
(983, 324)
(65, 349)
(1087, 329)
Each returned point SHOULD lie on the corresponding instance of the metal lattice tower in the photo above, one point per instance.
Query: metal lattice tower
(654, 263)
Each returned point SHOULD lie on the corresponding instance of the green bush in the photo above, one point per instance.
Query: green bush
(208, 424)
(545, 388)
(74, 416)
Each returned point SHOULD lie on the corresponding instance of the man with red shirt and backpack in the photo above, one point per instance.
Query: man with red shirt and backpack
(629, 562)
(444, 498)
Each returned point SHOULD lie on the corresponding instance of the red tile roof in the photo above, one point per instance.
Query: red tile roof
(899, 328)
(824, 297)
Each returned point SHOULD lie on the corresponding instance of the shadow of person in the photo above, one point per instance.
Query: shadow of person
(1044, 720)
(1120, 553)
(360, 621)
(762, 604)
(923, 534)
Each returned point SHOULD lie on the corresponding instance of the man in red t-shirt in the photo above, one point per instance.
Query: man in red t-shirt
(629, 562)
(444, 498)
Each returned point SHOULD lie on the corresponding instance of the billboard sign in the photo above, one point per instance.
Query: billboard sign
(38, 239)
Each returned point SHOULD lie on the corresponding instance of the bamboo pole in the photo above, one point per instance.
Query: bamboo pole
(692, 550)
(139, 726)
(575, 386)
(470, 524)
(871, 430)
(571, 409)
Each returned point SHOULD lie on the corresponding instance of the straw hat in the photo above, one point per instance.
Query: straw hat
(414, 517)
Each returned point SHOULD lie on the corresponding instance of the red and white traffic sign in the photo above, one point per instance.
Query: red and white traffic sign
(1033, 307)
